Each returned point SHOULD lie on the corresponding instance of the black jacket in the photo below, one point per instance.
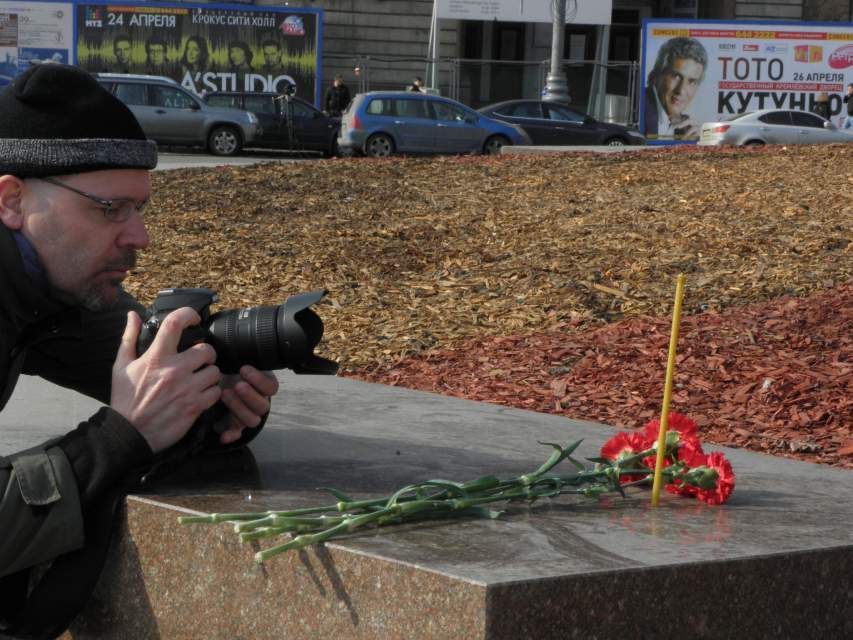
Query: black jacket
(337, 99)
(57, 499)
(849, 103)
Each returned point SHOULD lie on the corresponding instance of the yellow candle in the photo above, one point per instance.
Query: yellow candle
(667, 390)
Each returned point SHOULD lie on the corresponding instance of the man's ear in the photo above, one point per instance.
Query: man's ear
(11, 194)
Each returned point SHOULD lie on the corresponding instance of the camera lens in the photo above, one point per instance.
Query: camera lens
(247, 336)
(270, 337)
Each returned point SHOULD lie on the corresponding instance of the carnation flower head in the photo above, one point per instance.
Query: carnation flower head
(624, 445)
(725, 480)
(685, 426)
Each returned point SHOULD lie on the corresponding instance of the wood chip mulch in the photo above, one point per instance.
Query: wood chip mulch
(538, 254)
(774, 377)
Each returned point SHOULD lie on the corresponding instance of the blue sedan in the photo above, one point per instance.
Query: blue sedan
(381, 123)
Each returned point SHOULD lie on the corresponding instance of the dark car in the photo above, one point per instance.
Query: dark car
(287, 122)
(553, 123)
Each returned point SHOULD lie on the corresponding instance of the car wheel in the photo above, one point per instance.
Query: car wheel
(494, 145)
(379, 146)
(223, 141)
(614, 142)
(754, 143)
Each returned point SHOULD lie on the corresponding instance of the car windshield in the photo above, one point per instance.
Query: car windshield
(736, 116)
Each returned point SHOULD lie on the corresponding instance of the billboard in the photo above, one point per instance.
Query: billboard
(205, 47)
(577, 11)
(703, 71)
(33, 31)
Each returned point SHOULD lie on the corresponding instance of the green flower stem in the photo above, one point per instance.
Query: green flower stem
(263, 532)
(438, 498)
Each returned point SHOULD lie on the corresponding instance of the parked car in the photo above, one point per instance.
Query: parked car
(169, 114)
(772, 126)
(553, 123)
(381, 123)
(287, 123)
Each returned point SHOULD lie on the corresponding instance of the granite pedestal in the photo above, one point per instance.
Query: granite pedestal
(774, 562)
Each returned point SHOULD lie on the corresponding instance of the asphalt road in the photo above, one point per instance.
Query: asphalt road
(186, 158)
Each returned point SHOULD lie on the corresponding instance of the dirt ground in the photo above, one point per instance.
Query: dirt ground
(546, 282)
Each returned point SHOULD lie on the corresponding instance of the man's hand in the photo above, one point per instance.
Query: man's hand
(163, 392)
(247, 396)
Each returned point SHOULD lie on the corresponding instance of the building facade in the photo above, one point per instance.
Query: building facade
(383, 44)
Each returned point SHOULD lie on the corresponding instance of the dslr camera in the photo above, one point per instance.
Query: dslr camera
(282, 337)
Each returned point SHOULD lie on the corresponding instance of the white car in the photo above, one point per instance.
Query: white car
(773, 126)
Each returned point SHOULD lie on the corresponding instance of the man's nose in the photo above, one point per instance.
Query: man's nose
(134, 234)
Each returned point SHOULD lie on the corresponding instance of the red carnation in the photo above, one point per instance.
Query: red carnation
(685, 426)
(725, 480)
(693, 458)
(624, 445)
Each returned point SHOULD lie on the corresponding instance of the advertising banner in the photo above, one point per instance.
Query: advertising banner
(577, 11)
(702, 71)
(33, 32)
(206, 47)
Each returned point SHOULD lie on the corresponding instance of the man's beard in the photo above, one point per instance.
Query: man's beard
(103, 296)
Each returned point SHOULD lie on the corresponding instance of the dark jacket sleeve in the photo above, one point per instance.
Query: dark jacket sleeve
(84, 363)
(44, 490)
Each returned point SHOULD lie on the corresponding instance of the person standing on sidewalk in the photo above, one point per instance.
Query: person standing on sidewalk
(337, 97)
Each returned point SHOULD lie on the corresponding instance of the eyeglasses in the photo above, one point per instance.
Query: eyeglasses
(117, 210)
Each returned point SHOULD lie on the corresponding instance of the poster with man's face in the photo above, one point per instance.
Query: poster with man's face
(205, 48)
(699, 71)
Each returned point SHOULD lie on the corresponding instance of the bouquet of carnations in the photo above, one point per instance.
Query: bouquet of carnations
(708, 477)
(626, 459)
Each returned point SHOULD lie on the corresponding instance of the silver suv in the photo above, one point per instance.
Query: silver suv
(169, 114)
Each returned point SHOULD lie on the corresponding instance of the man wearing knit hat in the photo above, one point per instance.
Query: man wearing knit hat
(74, 181)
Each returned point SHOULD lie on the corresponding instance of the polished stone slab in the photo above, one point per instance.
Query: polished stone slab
(774, 562)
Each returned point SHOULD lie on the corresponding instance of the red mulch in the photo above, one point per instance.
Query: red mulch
(775, 377)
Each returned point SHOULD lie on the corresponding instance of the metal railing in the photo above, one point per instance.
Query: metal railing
(477, 82)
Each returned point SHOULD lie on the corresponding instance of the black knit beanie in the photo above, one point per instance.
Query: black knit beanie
(56, 119)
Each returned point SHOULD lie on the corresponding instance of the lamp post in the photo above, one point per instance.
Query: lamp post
(556, 87)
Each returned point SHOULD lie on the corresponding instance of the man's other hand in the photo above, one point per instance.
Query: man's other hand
(247, 397)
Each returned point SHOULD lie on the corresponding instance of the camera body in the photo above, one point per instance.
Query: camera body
(268, 338)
